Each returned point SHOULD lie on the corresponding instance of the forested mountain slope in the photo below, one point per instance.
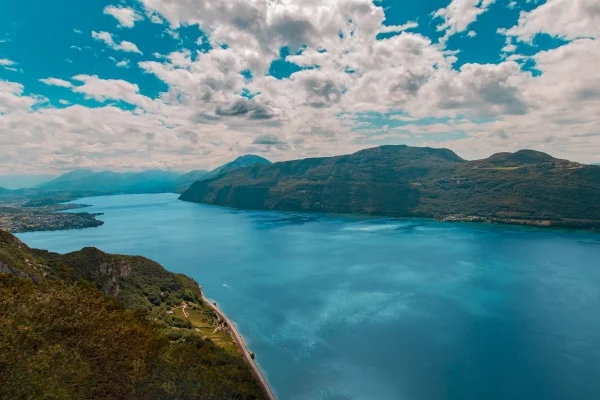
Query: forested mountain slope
(401, 181)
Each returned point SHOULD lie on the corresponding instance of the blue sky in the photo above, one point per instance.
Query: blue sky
(130, 85)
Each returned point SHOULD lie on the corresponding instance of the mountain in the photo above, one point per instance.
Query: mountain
(186, 180)
(523, 187)
(92, 325)
(153, 181)
(240, 162)
(4, 190)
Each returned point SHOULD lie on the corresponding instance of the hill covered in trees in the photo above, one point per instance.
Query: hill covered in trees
(527, 187)
(91, 325)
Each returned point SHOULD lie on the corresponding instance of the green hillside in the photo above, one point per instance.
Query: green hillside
(400, 181)
(90, 325)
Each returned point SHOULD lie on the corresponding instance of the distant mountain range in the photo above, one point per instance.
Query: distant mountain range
(107, 181)
(524, 187)
(88, 182)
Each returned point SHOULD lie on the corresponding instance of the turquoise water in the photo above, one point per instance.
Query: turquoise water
(356, 308)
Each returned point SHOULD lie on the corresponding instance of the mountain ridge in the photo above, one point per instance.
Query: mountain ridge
(149, 181)
(402, 181)
(87, 179)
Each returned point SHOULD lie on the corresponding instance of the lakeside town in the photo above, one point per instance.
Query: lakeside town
(17, 218)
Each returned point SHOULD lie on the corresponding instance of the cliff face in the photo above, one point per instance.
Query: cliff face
(136, 281)
(409, 181)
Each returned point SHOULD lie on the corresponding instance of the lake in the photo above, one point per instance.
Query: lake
(350, 307)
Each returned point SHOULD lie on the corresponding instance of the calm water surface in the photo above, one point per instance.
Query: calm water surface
(355, 308)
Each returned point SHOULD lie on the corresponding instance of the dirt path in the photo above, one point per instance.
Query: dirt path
(239, 341)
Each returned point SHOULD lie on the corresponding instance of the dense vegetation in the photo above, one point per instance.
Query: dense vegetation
(62, 337)
(401, 181)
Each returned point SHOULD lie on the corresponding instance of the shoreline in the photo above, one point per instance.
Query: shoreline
(241, 345)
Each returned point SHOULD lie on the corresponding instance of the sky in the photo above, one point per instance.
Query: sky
(188, 84)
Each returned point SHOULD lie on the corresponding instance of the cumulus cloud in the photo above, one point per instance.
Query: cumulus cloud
(12, 99)
(567, 19)
(460, 14)
(126, 16)
(110, 42)
(350, 64)
(111, 89)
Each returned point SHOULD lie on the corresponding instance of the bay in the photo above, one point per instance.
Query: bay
(349, 307)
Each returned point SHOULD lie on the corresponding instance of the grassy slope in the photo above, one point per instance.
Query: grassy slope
(407, 181)
(61, 337)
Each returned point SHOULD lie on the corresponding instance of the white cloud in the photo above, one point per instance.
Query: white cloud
(460, 14)
(110, 42)
(123, 64)
(205, 118)
(567, 19)
(155, 19)
(56, 82)
(111, 89)
(398, 28)
(6, 62)
(64, 102)
(12, 100)
(77, 31)
(126, 16)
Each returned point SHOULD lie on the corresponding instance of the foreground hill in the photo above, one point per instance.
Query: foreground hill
(107, 181)
(62, 337)
(523, 187)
